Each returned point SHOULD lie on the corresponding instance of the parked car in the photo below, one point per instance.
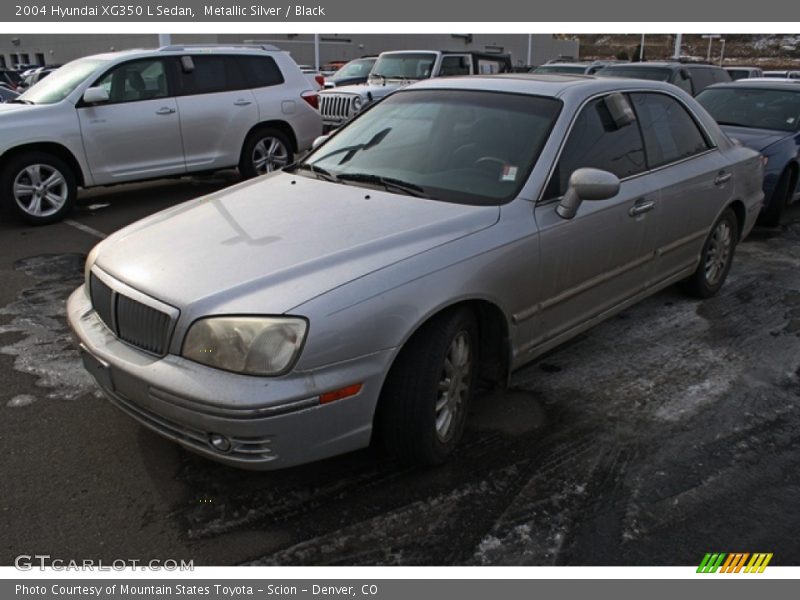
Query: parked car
(10, 78)
(744, 72)
(315, 78)
(143, 114)
(394, 70)
(690, 77)
(785, 74)
(452, 233)
(764, 116)
(6, 95)
(354, 72)
(575, 68)
(35, 77)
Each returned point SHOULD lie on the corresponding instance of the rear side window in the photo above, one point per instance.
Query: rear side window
(703, 77)
(670, 133)
(596, 141)
(260, 71)
(212, 74)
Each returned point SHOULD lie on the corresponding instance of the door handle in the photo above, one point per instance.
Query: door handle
(242, 102)
(641, 207)
(165, 110)
(723, 178)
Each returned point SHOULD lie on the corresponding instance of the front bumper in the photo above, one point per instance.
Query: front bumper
(271, 422)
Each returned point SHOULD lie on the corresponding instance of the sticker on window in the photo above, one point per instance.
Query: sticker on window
(509, 173)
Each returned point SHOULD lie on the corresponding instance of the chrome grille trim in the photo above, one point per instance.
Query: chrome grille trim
(133, 317)
(335, 106)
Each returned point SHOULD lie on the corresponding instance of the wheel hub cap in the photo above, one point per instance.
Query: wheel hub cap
(453, 386)
(269, 155)
(719, 251)
(40, 190)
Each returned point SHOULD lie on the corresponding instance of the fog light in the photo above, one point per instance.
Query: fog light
(219, 442)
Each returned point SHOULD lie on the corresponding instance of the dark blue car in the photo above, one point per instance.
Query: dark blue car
(764, 116)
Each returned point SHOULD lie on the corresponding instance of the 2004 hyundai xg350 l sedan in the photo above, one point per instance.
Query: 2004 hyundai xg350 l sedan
(454, 232)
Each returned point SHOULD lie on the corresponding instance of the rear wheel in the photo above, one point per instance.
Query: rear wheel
(716, 257)
(424, 403)
(39, 188)
(780, 199)
(265, 150)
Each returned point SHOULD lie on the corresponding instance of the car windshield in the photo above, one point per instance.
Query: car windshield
(404, 66)
(62, 82)
(651, 73)
(462, 146)
(560, 69)
(356, 68)
(749, 107)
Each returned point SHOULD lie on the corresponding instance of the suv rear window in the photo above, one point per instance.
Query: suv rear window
(260, 71)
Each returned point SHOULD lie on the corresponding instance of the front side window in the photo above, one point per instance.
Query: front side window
(467, 147)
(454, 65)
(596, 141)
(670, 133)
(135, 81)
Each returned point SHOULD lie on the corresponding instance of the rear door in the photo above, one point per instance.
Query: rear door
(217, 110)
(694, 177)
(603, 255)
(136, 134)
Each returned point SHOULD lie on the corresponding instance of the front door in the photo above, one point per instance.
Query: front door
(604, 255)
(136, 134)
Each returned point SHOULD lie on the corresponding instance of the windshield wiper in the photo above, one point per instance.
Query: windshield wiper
(389, 183)
(318, 171)
(20, 101)
(732, 124)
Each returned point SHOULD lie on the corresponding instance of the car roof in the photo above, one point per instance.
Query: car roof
(188, 49)
(762, 83)
(542, 84)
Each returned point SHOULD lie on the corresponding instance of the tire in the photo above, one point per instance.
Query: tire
(418, 421)
(716, 257)
(25, 191)
(780, 199)
(265, 150)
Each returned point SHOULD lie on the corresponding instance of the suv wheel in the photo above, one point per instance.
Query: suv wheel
(426, 396)
(716, 257)
(38, 187)
(264, 151)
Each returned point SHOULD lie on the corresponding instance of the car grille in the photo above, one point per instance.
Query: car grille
(335, 106)
(131, 321)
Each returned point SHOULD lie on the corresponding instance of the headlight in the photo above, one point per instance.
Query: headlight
(358, 102)
(250, 345)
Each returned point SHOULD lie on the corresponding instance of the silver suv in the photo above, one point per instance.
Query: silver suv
(145, 114)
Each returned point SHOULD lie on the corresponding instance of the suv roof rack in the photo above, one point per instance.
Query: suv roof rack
(179, 47)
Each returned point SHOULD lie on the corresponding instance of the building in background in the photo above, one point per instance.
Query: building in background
(49, 49)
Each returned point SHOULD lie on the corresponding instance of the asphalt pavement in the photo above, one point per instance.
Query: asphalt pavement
(669, 431)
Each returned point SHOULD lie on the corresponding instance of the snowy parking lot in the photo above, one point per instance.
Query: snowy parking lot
(667, 432)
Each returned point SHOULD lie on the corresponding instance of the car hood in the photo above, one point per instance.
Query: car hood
(757, 139)
(275, 242)
(14, 109)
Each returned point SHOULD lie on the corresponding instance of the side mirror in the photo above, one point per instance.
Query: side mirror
(95, 95)
(319, 141)
(587, 184)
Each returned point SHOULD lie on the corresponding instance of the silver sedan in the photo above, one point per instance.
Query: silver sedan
(452, 233)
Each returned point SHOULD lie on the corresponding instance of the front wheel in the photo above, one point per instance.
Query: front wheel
(716, 257)
(39, 188)
(264, 151)
(423, 406)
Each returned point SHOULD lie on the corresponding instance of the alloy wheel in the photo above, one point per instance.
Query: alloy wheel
(40, 190)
